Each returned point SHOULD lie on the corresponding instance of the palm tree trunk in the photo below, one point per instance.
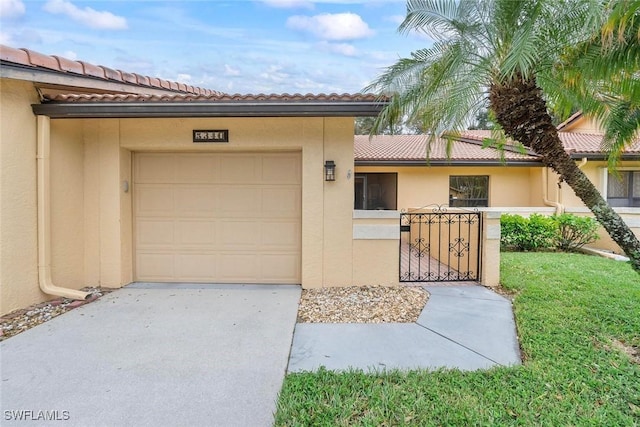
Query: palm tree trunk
(522, 113)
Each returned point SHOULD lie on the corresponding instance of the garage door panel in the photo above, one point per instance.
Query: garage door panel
(239, 200)
(239, 267)
(281, 169)
(155, 266)
(239, 169)
(218, 217)
(280, 268)
(155, 233)
(280, 235)
(154, 169)
(154, 200)
(195, 233)
(195, 201)
(280, 202)
(196, 267)
(196, 169)
(238, 235)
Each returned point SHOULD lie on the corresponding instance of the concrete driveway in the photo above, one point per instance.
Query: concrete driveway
(154, 355)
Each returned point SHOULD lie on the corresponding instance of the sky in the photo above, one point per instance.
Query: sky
(233, 46)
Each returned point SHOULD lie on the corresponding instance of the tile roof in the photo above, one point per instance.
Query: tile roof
(213, 97)
(575, 143)
(34, 60)
(413, 148)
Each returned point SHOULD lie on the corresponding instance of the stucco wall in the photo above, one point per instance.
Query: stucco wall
(419, 186)
(18, 215)
(67, 204)
(326, 225)
(596, 171)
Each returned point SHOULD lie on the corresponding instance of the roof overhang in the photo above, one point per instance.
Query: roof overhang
(452, 163)
(60, 110)
(602, 156)
(71, 83)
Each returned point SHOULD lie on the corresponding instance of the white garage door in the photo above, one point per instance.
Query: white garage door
(213, 217)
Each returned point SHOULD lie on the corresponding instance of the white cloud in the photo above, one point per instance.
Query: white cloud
(87, 16)
(69, 54)
(275, 74)
(231, 71)
(184, 78)
(327, 26)
(345, 49)
(289, 4)
(11, 8)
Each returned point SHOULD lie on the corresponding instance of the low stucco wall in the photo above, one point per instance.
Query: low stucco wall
(376, 248)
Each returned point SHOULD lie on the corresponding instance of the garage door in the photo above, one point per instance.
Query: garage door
(211, 217)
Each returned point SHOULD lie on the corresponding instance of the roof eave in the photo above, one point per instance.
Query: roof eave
(57, 78)
(439, 162)
(603, 156)
(207, 109)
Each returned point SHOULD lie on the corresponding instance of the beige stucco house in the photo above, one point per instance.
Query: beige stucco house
(510, 182)
(108, 177)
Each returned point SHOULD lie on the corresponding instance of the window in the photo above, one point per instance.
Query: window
(376, 191)
(468, 191)
(624, 190)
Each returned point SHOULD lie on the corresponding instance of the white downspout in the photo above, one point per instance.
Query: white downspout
(545, 193)
(44, 216)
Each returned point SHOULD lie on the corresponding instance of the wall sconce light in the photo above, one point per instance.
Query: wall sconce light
(329, 170)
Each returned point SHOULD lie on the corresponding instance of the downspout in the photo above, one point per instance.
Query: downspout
(545, 193)
(44, 216)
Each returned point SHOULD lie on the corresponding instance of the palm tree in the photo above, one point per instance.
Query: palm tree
(519, 58)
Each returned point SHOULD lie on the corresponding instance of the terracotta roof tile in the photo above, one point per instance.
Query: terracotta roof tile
(17, 56)
(30, 58)
(40, 60)
(414, 148)
(93, 70)
(142, 80)
(69, 66)
(574, 142)
(210, 96)
(154, 81)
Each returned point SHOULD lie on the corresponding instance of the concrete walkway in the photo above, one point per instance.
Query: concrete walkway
(463, 327)
(150, 355)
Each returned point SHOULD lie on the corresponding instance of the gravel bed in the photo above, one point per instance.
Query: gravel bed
(26, 318)
(364, 304)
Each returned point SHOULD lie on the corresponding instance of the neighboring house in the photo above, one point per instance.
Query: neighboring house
(110, 177)
(474, 177)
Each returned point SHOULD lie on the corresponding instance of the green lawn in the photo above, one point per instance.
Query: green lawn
(575, 313)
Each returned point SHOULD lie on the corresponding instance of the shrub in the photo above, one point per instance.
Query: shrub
(527, 234)
(574, 231)
(566, 232)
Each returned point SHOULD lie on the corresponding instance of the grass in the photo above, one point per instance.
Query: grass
(578, 320)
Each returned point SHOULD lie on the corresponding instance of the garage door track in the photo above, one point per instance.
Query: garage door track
(155, 355)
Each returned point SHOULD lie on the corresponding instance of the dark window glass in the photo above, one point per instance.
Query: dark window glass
(624, 190)
(469, 191)
(376, 191)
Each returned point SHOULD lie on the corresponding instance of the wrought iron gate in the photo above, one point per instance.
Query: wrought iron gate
(440, 246)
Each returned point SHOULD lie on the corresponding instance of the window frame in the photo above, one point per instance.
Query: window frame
(486, 200)
(360, 175)
(621, 202)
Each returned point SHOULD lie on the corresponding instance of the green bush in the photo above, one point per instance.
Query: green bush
(574, 231)
(527, 234)
(565, 232)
